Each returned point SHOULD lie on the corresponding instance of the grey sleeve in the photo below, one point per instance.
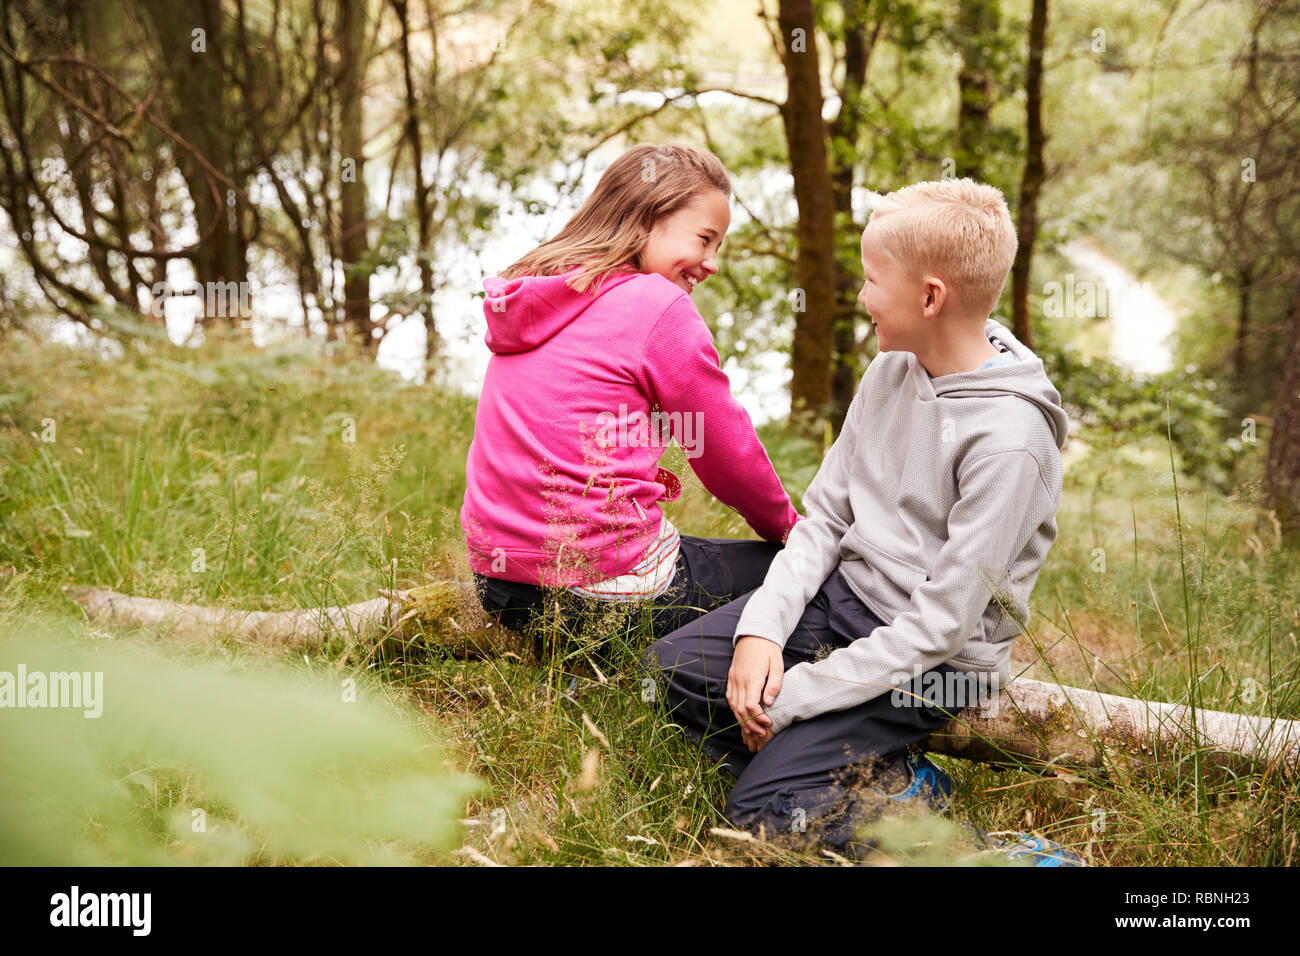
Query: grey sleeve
(812, 551)
(997, 494)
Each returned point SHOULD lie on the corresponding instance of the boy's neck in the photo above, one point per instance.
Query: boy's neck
(960, 351)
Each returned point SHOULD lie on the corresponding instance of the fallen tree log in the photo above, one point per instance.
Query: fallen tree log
(1031, 722)
(1069, 728)
(296, 630)
(448, 614)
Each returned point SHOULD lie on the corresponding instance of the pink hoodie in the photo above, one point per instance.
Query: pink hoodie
(581, 394)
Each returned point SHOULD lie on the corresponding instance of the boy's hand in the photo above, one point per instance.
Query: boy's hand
(752, 684)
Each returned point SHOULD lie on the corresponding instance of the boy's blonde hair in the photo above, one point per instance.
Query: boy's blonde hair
(957, 229)
(610, 230)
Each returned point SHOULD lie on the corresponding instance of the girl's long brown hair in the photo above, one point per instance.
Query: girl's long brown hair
(610, 230)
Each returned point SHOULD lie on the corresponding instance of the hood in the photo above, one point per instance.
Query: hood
(1025, 377)
(524, 312)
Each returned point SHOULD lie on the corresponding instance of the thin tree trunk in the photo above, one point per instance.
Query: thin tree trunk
(1031, 182)
(805, 135)
(422, 211)
(352, 214)
(1244, 279)
(1282, 476)
(844, 130)
(977, 21)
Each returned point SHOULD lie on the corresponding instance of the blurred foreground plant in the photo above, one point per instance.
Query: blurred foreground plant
(195, 763)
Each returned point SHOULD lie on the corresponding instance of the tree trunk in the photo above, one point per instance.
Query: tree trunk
(1244, 278)
(1282, 477)
(203, 117)
(844, 130)
(422, 210)
(352, 213)
(977, 22)
(1031, 182)
(805, 135)
(1057, 728)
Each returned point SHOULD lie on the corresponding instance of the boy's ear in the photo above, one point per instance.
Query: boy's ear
(936, 294)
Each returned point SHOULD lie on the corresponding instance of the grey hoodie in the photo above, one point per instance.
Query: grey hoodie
(937, 495)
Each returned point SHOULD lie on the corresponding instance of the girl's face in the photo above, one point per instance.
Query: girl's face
(683, 247)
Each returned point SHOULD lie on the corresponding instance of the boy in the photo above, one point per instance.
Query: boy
(926, 527)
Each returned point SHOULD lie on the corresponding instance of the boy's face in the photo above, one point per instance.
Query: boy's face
(684, 247)
(895, 298)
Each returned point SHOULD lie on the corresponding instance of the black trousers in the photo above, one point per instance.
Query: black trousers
(710, 572)
(813, 783)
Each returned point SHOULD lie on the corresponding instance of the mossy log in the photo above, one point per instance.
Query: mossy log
(1059, 728)
(1031, 722)
(447, 614)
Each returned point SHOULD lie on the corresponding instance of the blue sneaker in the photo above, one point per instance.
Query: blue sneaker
(926, 781)
(1021, 845)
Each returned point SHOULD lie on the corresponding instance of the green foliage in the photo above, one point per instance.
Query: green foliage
(1116, 406)
(208, 764)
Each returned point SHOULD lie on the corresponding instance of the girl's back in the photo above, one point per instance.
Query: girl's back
(581, 396)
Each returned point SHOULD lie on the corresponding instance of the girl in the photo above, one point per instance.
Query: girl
(599, 358)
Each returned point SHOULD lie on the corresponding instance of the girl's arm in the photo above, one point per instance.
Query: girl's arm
(681, 373)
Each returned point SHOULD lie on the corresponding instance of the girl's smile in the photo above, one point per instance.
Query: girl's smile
(683, 247)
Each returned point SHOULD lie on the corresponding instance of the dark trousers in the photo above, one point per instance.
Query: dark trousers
(710, 572)
(813, 783)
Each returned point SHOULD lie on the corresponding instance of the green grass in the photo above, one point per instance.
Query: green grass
(289, 478)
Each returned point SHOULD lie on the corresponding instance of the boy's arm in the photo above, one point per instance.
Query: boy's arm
(810, 554)
(985, 533)
(812, 551)
(682, 374)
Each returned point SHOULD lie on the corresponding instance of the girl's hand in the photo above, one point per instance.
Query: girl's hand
(753, 683)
